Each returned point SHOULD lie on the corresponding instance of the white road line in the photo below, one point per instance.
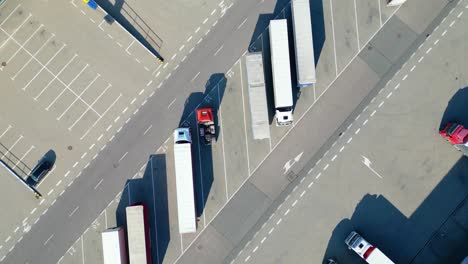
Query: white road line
(428, 50)
(443, 33)
(123, 156)
(31, 58)
(55, 76)
(357, 131)
(412, 68)
(204, 21)
(190, 38)
(99, 183)
(381, 103)
(58, 183)
(196, 75)
(389, 94)
(421, 59)
(245, 118)
(357, 26)
(33, 210)
(173, 101)
(318, 175)
(349, 140)
(198, 29)
(241, 24)
(146, 131)
(47, 241)
(333, 35)
(453, 23)
(460, 14)
(220, 48)
(247, 258)
(222, 143)
(341, 149)
(365, 122)
(334, 157)
(73, 212)
(326, 167)
(212, 12)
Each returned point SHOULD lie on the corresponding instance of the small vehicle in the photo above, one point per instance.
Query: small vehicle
(206, 126)
(40, 170)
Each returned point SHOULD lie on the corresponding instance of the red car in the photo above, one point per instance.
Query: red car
(455, 133)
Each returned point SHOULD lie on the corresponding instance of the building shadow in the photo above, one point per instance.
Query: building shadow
(150, 190)
(203, 154)
(436, 232)
(123, 13)
(456, 109)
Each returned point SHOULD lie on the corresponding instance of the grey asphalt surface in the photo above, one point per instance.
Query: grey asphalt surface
(67, 218)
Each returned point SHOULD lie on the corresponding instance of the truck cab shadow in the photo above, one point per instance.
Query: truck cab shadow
(436, 232)
(149, 189)
(455, 111)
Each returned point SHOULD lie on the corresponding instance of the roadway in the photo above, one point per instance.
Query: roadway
(69, 216)
(389, 174)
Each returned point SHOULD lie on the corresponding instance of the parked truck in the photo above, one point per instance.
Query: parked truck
(139, 246)
(184, 181)
(365, 250)
(257, 95)
(113, 246)
(457, 135)
(303, 43)
(281, 70)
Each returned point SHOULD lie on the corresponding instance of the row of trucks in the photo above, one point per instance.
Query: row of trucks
(114, 247)
(280, 64)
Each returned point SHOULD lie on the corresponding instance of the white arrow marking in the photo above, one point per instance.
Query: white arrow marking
(368, 163)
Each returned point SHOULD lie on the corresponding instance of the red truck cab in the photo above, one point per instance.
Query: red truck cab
(455, 133)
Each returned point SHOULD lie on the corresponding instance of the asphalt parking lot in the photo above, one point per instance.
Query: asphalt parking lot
(223, 167)
(77, 92)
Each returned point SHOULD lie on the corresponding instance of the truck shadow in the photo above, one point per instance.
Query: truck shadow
(455, 111)
(260, 42)
(150, 190)
(203, 154)
(436, 232)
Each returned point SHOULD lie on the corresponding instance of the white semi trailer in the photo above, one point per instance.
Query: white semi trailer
(303, 43)
(257, 95)
(281, 70)
(113, 246)
(370, 253)
(184, 181)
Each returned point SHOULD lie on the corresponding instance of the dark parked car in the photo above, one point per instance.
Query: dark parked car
(40, 170)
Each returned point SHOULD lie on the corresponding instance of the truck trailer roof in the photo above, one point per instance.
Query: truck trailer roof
(280, 63)
(257, 95)
(303, 43)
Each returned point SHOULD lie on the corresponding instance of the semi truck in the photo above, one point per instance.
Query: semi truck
(457, 135)
(257, 95)
(303, 43)
(366, 250)
(281, 70)
(184, 181)
(139, 246)
(113, 246)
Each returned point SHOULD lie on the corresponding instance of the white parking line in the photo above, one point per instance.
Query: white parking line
(99, 183)
(173, 101)
(69, 84)
(30, 59)
(105, 112)
(25, 154)
(333, 35)
(95, 100)
(14, 32)
(220, 48)
(146, 131)
(12, 146)
(10, 14)
(126, 50)
(222, 142)
(357, 25)
(55, 76)
(76, 98)
(245, 118)
(4, 132)
(241, 24)
(26, 42)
